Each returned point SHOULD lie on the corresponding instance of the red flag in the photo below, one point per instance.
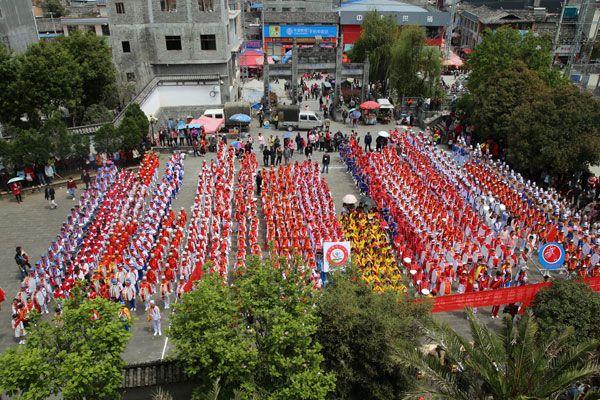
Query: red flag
(552, 234)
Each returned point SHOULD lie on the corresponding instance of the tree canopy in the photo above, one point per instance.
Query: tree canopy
(517, 99)
(361, 332)
(513, 364)
(77, 354)
(398, 54)
(65, 76)
(566, 304)
(255, 334)
(414, 68)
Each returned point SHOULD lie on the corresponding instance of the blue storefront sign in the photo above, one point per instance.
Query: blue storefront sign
(299, 31)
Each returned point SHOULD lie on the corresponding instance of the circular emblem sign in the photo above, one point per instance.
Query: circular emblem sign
(551, 255)
(337, 255)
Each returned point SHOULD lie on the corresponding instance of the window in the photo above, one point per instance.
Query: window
(301, 9)
(173, 42)
(130, 76)
(126, 46)
(91, 28)
(303, 117)
(284, 9)
(208, 42)
(205, 5)
(312, 118)
(120, 8)
(105, 30)
(0, 13)
(168, 5)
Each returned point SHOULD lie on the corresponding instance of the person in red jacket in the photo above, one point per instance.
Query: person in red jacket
(16, 191)
(496, 283)
(2, 297)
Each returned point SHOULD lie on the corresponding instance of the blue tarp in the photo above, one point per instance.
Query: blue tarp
(256, 6)
(287, 57)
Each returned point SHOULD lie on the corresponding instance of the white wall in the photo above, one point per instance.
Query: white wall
(181, 96)
(152, 103)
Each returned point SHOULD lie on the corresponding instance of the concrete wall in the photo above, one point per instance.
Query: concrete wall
(17, 25)
(145, 26)
(181, 97)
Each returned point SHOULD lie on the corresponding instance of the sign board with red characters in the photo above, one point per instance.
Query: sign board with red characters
(336, 255)
(551, 256)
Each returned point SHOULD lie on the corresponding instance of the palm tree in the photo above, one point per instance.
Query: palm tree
(513, 364)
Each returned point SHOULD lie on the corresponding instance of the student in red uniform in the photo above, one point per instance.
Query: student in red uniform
(496, 283)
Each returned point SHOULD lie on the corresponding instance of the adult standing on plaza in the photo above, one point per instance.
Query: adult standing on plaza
(50, 172)
(49, 194)
(22, 260)
(266, 156)
(155, 317)
(368, 141)
(261, 141)
(326, 161)
(86, 178)
(259, 180)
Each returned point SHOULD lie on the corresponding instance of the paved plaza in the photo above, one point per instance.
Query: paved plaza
(33, 225)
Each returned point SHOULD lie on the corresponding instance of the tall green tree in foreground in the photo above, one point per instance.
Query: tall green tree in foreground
(414, 69)
(566, 304)
(503, 48)
(376, 41)
(77, 355)
(513, 364)
(545, 125)
(255, 334)
(361, 332)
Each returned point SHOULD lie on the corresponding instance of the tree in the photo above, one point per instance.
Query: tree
(556, 132)
(77, 354)
(95, 70)
(513, 364)
(568, 304)
(255, 334)
(361, 331)
(11, 106)
(30, 147)
(48, 81)
(54, 8)
(106, 139)
(376, 40)
(503, 48)
(497, 97)
(97, 114)
(414, 68)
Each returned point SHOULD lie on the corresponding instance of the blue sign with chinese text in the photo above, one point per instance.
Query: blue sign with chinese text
(299, 31)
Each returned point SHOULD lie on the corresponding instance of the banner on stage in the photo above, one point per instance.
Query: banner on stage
(335, 255)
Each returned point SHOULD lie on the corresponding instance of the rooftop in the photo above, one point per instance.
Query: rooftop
(300, 17)
(489, 16)
(379, 5)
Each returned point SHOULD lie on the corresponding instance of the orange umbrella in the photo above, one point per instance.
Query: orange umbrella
(369, 105)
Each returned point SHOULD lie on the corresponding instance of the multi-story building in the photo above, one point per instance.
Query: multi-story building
(198, 39)
(17, 25)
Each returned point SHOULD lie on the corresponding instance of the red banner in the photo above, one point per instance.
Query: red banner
(522, 294)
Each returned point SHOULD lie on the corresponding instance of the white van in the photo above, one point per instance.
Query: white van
(308, 120)
(215, 113)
